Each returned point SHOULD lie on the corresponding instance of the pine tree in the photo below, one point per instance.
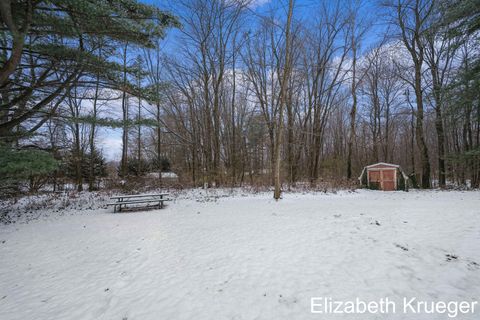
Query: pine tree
(19, 166)
(49, 45)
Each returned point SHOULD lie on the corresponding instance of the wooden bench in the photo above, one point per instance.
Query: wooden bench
(145, 199)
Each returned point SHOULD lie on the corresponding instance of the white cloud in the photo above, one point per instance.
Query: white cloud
(258, 3)
(111, 143)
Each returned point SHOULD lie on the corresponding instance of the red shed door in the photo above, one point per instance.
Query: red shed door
(388, 179)
(374, 179)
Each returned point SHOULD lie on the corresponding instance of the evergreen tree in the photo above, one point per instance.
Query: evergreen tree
(49, 45)
(461, 18)
(20, 166)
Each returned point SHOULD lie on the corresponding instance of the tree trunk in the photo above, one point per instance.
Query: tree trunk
(424, 158)
(78, 159)
(353, 111)
(290, 142)
(159, 144)
(139, 139)
(441, 147)
(124, 162)
(283, 90)
(18, 37)
(91, 164)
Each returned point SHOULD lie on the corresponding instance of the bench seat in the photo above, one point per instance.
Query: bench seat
(137, 201)
(119, 204)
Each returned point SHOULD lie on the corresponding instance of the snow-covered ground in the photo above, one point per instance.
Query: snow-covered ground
(244, 257)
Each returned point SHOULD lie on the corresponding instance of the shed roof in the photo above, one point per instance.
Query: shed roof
(383, 164)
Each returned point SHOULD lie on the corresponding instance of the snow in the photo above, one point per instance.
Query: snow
(243, 256)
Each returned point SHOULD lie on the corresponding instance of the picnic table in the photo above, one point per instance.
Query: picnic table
(122, 201)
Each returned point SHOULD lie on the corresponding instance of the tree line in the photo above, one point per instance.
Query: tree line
(277, 96)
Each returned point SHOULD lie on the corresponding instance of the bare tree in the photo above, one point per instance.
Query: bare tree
(439, 56)
(357, 28)
(125, 115)
(285, 76)
(412, 18)
(325, 52)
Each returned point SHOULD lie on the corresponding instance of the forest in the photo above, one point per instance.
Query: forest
(238, 92)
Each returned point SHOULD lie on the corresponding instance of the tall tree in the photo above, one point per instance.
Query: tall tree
(461, 22)
(284, 75)
(93, 130)
(153, 61)
(412, 18)
(138, 75)
(440, 53)
(357, 28)
(324, 54)
(125, 113)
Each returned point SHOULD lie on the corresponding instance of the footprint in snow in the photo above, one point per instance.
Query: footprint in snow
(472, 265)
(451, 257)
(287, 301)
(401, 247)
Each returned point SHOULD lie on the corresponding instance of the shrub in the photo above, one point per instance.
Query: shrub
(19, 166)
